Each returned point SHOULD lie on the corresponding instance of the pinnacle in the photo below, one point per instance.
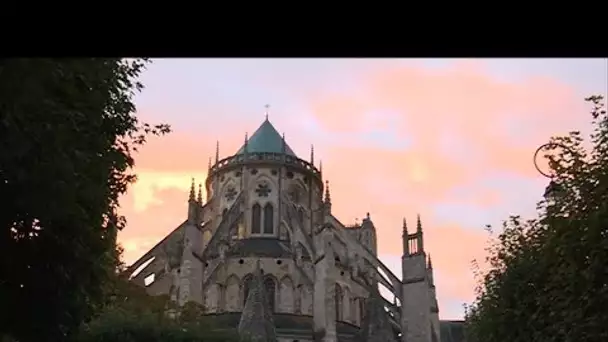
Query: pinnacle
(191, 196)
(199, 197)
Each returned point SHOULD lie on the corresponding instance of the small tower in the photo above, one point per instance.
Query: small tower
(368, 234)
(415, 301)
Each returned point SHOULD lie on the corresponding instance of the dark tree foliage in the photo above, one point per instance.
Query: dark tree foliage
(548, 277)
(131, 315)
(67, 133)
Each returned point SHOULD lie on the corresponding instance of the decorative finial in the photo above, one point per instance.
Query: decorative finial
(266, 112)
(284, 146)
(367, 215)
(429, 264)
(246, 142)
(320, 166)
(199, 198)
(405, 239)
(312, 154)
(327, 196)
(418, 224)
(191, 197)
(217, 151)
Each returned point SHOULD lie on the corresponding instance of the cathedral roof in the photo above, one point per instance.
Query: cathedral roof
(266, 139)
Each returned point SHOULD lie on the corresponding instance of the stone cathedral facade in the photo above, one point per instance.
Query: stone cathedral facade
(265, 253)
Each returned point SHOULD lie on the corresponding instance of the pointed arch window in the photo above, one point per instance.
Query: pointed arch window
(362, 308)
(256, 217)
(270, 287)
(268, 219)
(338, 302)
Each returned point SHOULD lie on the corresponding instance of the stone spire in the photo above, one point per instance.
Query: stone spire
(420, 248)
(257, 324)
(327, 199)
(283, 144)
(192, 206)
(191, 197)
(217, 151)
(429, 265)
(199, 197)
(312, 154)
(246, 143)
(209, 166)
(376, 326)
(405, 237)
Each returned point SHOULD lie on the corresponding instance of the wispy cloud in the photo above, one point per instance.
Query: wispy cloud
(451, 140)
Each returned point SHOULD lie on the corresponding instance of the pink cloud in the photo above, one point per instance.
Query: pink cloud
(463, 99)
(475, 108)
(500, 123)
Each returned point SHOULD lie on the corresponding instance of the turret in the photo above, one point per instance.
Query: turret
(413, 243)
(416, 301)
(368, 234)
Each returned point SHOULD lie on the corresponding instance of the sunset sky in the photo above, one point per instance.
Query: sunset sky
(452, 140)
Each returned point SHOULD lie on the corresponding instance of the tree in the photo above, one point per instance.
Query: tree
(68, 131)
(548, 277)
(132, 316)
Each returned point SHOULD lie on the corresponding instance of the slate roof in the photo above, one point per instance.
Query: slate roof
(262, 247)
(266, 139)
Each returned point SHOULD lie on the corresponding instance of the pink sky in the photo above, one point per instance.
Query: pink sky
(450, 139)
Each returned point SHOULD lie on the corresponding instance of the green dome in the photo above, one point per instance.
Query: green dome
(266, 139)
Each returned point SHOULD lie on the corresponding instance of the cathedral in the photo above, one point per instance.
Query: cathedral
(265, 253)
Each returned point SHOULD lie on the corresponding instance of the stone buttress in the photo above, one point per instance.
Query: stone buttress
(257, 324)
